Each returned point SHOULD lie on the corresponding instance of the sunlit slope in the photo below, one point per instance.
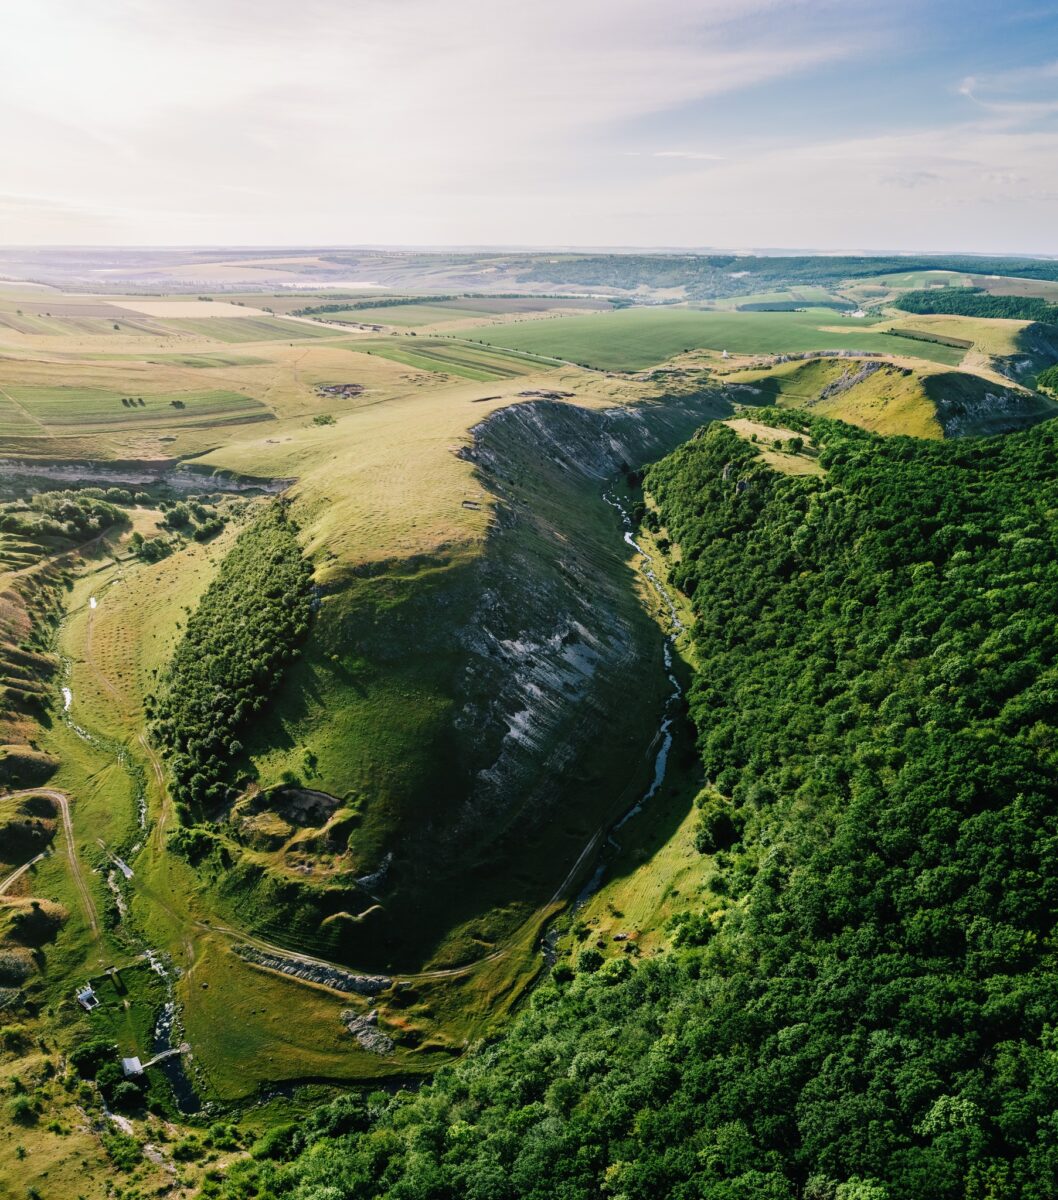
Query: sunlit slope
(895, 399)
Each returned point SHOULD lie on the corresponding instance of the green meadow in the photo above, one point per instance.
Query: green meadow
(632, 339)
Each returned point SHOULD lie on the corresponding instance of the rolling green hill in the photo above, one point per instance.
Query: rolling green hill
(453, 705)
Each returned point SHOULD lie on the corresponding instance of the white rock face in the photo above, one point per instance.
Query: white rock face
(557, 643)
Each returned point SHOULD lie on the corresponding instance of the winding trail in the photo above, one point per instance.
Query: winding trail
(159, 778)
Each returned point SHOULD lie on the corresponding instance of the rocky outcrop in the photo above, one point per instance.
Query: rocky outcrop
(1037, 348)
(181, 477)
(998, 411)
(315, 972)
(852, 377)
(366, 1031)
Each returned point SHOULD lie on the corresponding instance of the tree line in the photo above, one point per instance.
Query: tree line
(976, 302)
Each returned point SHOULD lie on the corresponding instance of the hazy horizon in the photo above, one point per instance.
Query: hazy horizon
(528, 248)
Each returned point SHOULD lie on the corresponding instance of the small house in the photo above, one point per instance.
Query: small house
(87, 998)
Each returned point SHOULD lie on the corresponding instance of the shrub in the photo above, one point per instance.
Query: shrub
(124, 1151)
(278, 1143)
(588, 961)
(719, 826)
(21, 1110)
(13, 1037)
(187, 1150)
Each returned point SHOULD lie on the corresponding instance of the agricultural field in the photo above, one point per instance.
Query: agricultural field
(633, 339)
(463, 312)
(73, 407)
(164, 395)
(1007, 285)
(799, 297)
(247, 329)
(907, 280)
(453, 358)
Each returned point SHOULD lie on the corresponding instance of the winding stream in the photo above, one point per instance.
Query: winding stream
(672, 704)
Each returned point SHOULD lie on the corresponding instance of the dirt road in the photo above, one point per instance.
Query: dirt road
(17, 875)
(76, 870)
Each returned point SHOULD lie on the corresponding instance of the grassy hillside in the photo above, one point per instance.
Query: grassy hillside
(428, 606)
(862, 997)
(433, 776)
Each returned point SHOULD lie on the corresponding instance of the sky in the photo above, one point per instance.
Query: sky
(915, 125)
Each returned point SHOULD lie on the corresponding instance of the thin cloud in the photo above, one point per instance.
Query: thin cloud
(1021, 95)
(696, 155)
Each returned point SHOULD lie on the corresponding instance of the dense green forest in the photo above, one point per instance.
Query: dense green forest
(863, 1001)
(976, 302)
(237, 643)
